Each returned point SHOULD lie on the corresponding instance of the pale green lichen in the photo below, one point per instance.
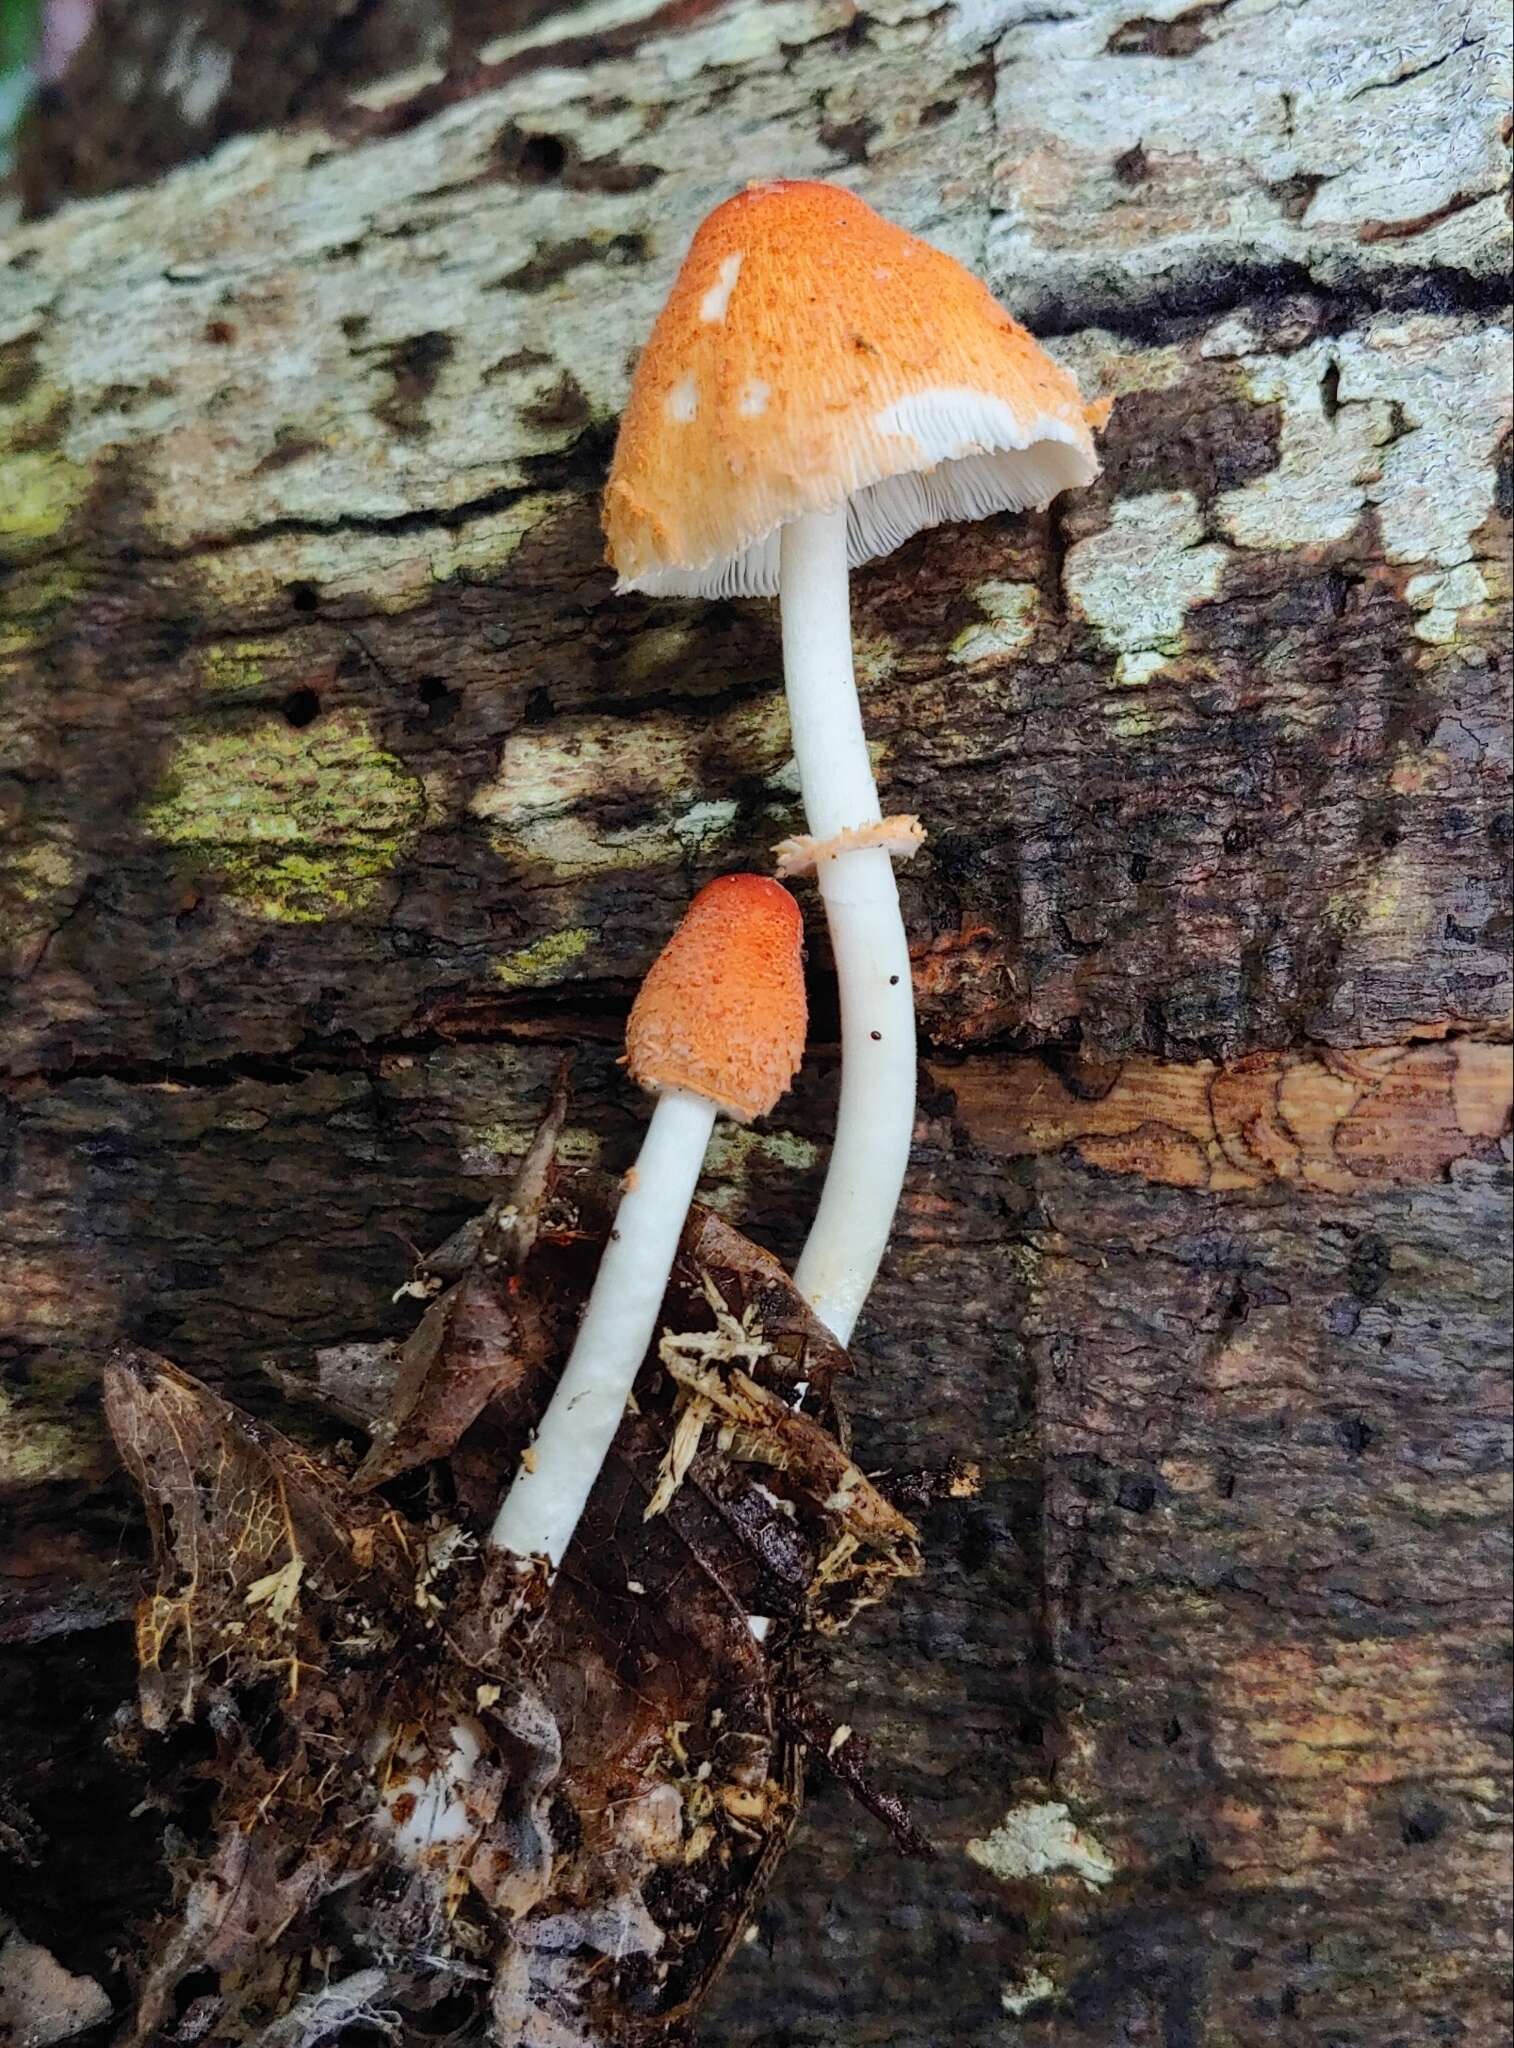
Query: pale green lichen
(1033, 1987)
(41, 487)
(39, 493)
(1401, 420)
(298, 825)
(1135, 671)
(705, 822)
(1442, 596)
(36, 881)
(385, 572)
(736, 1149)
(659, 647)
(875, 657)
(490, 1148)
(1007, 624)
(1137, 581)
(1040, 1840)
(1327, 455)
(40, 1442)
(1136, 724)
(37, 594)
(544, 958)
(237, 669)
(738, 1155)
(602, 794)
(1104, 365)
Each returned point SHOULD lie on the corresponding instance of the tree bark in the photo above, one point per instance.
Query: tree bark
(341, 794)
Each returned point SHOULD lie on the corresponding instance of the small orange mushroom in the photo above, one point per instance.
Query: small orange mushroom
(717, 1029)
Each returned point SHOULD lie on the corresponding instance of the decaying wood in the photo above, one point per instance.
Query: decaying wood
(341, 794)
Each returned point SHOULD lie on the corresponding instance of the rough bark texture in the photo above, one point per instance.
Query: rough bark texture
(341, 793)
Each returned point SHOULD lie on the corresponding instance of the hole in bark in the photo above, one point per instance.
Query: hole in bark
(564, 405)
(1425, 1822)
(438, 701)
(1132, 167)
(301, 708)
(304, 597)
(1180, 36)
(1330, 389)
(955, 856)
(1295, 195)
(1136, 1495)
(1030, 1732)
(536, 159)
(936, 112)
(1354, 1434)
(1367, 1267)
(538, 709)
(849, 139)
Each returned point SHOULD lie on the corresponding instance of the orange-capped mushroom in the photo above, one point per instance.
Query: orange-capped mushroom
(820, 385)
(718, 1027)
(722, 1011)
(812, 355)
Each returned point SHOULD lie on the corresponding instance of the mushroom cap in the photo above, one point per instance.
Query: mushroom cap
(810, 355)
(722, 1011)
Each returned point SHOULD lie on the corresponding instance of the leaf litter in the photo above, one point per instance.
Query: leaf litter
(443, 1799)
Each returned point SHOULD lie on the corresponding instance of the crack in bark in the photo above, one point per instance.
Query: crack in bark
(1421, 71)
(1218, 293)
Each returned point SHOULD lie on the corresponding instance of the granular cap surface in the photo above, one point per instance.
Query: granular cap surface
(722, 1012)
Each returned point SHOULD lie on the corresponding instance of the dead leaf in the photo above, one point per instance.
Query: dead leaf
(629, 1775)
(239, 1516)
(484, 1337)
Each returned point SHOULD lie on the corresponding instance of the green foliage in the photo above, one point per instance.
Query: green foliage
(20, 32)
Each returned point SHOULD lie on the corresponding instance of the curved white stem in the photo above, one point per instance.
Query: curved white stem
(876, 1117)
(541, 1511)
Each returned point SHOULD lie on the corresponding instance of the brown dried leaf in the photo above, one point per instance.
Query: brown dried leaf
(635, 1780)
(873, 1543)
(241, 1520)
(485, 1336)
(746, 1278)
(235, 1912)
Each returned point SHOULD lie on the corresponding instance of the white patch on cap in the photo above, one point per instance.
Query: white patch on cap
(952, 422)
(712, 306)
(754, 398)
(682, 402)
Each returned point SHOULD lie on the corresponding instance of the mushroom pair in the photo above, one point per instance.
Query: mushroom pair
(819, 386)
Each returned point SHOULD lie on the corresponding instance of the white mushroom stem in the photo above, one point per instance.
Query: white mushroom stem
(542, 1508)
(870, 1152)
